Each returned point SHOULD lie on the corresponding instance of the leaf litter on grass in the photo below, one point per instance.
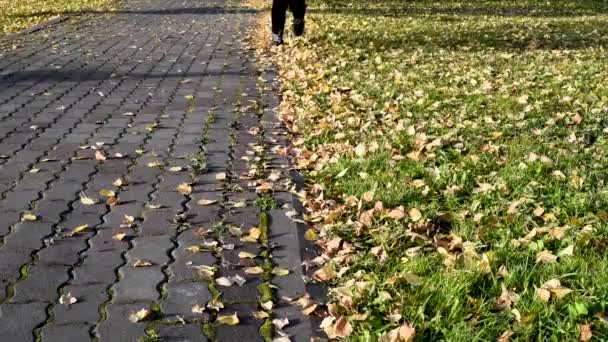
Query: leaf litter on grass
(461, 144)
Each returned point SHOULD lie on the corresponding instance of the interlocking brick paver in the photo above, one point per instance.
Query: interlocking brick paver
(156, 85)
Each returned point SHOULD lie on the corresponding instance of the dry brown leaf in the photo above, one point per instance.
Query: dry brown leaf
(261, 315)
(228, 320)
(325, 274)
(342, 327)
(254, 270)
(99, 155)
(29, 217)
(264, 187)
(404, 333)
(87, 200)
(397, 213)
(204, 202)
(415, 214)
(368, 196)
(142, 263)
(505, 337)
(197, 309)
(139, 315)
(586, 333)
(380, 254)
(543, 294)
(67, 299)
(309, 310)
(78, 229)
(107, 193)
(112, 201)
(184, 189)
(119, 236)
(546, 257)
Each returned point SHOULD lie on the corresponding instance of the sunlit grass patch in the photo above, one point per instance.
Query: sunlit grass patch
(455, 153)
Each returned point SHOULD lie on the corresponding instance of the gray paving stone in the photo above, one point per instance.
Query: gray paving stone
(181, 297)
(138, 284)
(118, 327)
(248, 325)
(41, 284)
(66, 333)
(86, 309)
(19, 320)
(181, 333)
(154, 249)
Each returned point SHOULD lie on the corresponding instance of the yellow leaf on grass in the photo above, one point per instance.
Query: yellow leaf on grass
(311, 235)
(415, 214)
(228, 320)
(568, 251)
(560, 292)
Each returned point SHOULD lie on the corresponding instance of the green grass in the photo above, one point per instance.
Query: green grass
(507, 102)
(16, 15)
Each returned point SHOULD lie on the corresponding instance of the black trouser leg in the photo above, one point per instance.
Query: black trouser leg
(298, 8)
(279, 7)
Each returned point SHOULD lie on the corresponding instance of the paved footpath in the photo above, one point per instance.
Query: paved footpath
(137, 150)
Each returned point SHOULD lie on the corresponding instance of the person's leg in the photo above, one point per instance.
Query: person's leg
(279, 7)
(298, 8)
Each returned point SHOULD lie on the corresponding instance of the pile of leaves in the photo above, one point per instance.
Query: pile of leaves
(16, 15)
(455, 157)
